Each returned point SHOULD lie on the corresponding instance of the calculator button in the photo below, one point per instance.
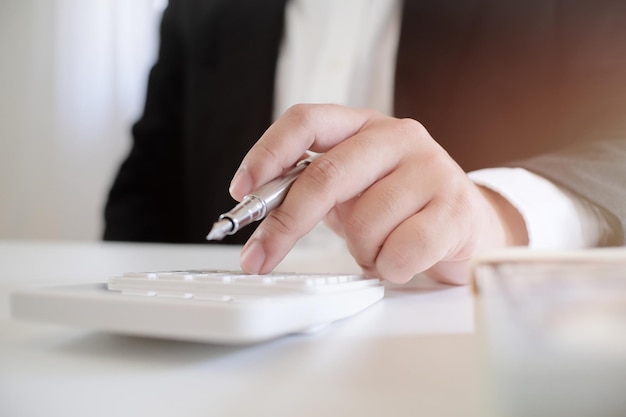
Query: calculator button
(256, 279)
(178, 276)
(142, 275)
(214, 285)
(143, 293)
(212, 297)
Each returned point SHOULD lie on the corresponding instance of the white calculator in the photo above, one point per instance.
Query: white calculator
(227, 307)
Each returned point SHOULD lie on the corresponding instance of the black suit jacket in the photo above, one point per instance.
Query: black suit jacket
(533, 83)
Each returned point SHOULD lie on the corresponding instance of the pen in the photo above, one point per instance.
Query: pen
(257, 205)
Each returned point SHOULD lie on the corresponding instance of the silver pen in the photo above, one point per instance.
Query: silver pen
(257, 205)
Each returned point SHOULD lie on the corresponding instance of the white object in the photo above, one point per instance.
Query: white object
(340, 52)
(209, 306)
(567, 222)
(419, 340)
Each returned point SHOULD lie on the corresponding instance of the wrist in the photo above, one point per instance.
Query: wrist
(507, 225)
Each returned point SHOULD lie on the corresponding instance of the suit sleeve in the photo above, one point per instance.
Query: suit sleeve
(141, 204)
(595, 171)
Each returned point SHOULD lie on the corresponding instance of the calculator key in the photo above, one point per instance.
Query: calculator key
(212, 297)
(256, 279)
(144, 293)
(142, 275)
(178, 276)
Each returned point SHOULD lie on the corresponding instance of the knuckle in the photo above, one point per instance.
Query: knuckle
(456, 202)
(388, 200)
(395, 263)
(414, 138)
(357, 228)
(411, 128)
(301, 114)
(400, 260)
(360, 224)
(322, 173)
(459, 207)
(463, 202)
(268, 153)
(365, 140)
(281, 222)
(447, 176)
(398, 257)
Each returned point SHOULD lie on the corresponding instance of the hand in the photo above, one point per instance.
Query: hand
(401, 203)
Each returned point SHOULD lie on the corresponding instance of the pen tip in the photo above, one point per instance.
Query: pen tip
(220, 229)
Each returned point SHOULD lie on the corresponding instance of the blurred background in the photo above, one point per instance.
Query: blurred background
(72, 82)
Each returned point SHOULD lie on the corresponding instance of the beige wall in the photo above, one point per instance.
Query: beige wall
(72, 77)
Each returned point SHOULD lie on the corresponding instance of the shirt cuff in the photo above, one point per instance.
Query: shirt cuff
(555, 218)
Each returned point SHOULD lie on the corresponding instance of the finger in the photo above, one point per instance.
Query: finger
(302, 127)
(333, 178)
(337, 176)
(381, 208)
(454, 272)
(335, 217)
(432, 235)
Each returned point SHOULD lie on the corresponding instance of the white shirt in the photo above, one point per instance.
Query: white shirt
(343, 52)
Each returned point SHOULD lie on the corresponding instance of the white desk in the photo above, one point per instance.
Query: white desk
(414, 353)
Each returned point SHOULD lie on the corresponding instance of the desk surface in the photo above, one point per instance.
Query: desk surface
(414, 353)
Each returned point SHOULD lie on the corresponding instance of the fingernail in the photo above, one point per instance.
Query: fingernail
(241, 183)
(253, 257)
